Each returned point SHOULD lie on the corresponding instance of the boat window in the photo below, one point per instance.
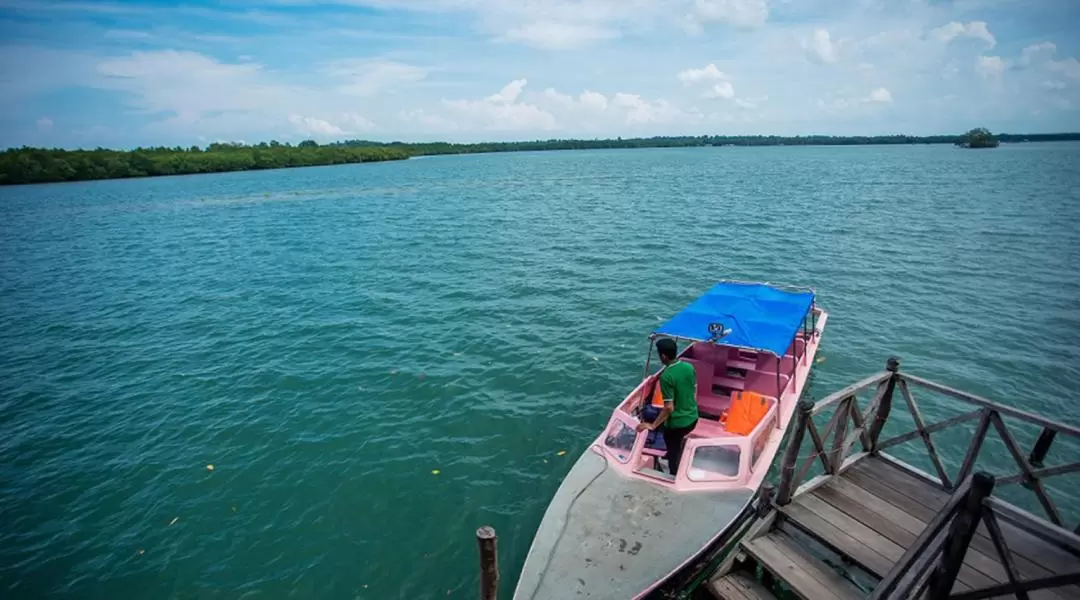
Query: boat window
(712, 463)
(620, 440)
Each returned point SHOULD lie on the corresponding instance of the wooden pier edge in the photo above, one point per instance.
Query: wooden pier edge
(865, 507)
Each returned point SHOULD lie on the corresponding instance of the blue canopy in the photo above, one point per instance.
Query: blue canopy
(747, 315)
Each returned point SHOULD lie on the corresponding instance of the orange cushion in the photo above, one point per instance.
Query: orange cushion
(747, 410)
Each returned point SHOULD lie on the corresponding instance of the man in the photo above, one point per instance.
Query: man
(678, 386)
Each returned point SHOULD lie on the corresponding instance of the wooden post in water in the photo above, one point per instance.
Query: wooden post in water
(791, 454)
(489, 563)
(768, 492)
(964, 523)
(882, 413)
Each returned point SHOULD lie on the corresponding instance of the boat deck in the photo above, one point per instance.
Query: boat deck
(874, 527)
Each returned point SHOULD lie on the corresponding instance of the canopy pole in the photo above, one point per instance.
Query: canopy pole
(778, 362)
(648, 356)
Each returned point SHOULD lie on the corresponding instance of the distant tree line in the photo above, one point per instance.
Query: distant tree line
(39, 165)
(979, 137)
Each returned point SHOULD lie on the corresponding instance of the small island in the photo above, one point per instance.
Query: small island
(980, 137)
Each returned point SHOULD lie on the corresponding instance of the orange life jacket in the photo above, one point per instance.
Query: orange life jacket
(747, 410)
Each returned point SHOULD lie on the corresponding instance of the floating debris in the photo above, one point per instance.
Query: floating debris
(560, 453)
(595, 358)
(141, 551)
(545, 461)
(234, 509)
(209, 467)
(819, 360)
(393, 372)
(435, 471)
(421, 377)
(174, 520)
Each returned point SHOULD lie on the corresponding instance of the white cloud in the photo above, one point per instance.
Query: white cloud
(880, 95)
(740, 13)
(750, 103)
(364, 77)
(1070, 67)
(989, 67)
(593, 100)
(315, 127)
(820, 47)
(502, 111)
(509, 93)
(1036, 53)
(558, 36)
(708, 73)
(639, 111)
(723, 90)
(1054, 85)
(45, 124)
(975, 29)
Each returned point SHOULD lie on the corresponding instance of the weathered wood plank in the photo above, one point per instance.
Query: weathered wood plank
(1001, 408)
(844, 535)
(1025, 468)
(807, 576)
(920, 426)
(850, 390)
(898, 527)
(1034, 558)
(843, 411)
(977, 439)
(1051, 534)
(739, 586)
(1003, 553)
(938, 426)
(1042, 473)
(1003, 590)
(788, 483)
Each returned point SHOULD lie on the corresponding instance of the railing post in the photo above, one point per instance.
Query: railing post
(882, 413)
(1042, 446)
(489, 563)
(768, 492)
(967, 519)
(791, 453)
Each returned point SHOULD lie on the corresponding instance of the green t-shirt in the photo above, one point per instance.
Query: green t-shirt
(678, 383)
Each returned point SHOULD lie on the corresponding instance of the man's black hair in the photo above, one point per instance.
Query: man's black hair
(666, 347)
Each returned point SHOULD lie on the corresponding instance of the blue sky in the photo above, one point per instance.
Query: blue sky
(120, 74)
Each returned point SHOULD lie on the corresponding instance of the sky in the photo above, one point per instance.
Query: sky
(75, 73)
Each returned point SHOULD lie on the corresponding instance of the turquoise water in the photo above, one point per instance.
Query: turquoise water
(327, 337)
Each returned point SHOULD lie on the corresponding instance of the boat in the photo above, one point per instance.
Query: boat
(619, 526)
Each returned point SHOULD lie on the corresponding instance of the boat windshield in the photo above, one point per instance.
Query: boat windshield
(620, 440)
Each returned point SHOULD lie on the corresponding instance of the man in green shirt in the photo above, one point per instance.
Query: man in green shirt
(678, 386)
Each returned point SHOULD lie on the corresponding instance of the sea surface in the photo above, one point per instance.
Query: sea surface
(377, 359)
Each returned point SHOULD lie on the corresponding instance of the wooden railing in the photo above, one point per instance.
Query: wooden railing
(931, 564)
(851, 424)
(933, 561)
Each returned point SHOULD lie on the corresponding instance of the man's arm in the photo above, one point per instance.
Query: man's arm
(668, 392)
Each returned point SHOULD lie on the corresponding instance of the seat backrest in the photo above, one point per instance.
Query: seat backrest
(703, 371)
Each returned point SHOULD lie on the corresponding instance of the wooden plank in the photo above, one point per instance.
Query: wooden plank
(844, 535)
(1041, 473)
(819, 446)
(1034, 558)
(1036, 485)
(739, 586)
(1001, 408)
(914, 433)
(898, 527)
(808, 577)
(920, 425)
(977, 439)
(1003, 550)
(843, 411)
(1054, 581)
(850, 390)
(1055, 534)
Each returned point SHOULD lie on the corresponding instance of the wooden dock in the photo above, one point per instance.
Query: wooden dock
(872, 526)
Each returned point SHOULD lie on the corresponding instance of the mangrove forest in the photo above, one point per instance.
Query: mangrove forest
(41, 165)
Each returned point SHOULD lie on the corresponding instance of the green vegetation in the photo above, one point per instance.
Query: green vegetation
(979, 137)
(35, 165)
(38, 165)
